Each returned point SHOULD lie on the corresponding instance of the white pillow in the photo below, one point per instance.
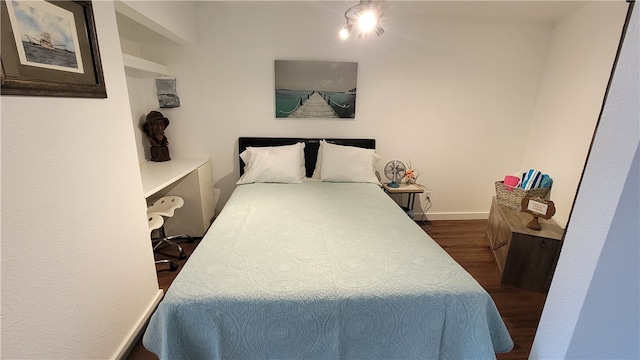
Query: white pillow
(348, 164)
(277, 164)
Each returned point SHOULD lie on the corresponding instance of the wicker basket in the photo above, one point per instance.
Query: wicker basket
(512, 197)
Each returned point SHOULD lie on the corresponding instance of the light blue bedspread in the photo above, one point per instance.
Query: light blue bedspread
(322, 271)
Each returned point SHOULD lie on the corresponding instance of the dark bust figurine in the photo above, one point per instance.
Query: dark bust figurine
(154, 127)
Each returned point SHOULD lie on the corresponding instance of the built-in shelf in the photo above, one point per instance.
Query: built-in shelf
(150, 22)
(138, 67)
(142, 23)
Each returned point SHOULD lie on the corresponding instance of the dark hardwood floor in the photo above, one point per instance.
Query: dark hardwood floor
(464, 241)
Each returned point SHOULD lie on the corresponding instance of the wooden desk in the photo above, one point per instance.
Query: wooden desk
(189, 179)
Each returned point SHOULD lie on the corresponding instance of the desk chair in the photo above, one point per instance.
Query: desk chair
(156, 221)
(166, 206)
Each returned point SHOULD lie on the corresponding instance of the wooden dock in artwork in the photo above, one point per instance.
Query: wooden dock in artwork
(314, 107)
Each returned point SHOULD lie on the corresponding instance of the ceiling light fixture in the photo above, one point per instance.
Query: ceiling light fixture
(366, 15)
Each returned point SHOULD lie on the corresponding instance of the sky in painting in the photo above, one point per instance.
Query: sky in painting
(315, 75)
(34, 18)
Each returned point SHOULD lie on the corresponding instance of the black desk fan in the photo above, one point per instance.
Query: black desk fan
(394, 171)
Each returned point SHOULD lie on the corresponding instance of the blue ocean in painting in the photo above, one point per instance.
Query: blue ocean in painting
(343, 103)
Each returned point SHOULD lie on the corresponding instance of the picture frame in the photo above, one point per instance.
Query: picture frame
(50, 48)
(315, 89)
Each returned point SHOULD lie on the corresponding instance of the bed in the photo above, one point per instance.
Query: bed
(321, 269)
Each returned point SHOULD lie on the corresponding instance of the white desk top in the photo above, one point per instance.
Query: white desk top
(158, 175)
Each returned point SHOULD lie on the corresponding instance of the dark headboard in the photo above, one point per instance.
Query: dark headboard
(310, 148)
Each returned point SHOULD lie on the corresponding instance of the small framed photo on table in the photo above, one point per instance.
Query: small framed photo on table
(50, 48)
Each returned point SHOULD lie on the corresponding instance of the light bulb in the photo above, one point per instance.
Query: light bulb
(367, 21)
(344, 33)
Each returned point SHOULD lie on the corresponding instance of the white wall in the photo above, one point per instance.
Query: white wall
(578, 67)
(454, 98)
(143, 99)
(614, 320)
(77, 267)
(600, 218)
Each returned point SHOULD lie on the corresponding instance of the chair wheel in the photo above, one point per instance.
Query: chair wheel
(173, 267)
(182, 256)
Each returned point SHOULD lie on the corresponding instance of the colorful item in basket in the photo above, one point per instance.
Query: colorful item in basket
(531, 179)
(510, 182)
(534, 179)
(546, 181)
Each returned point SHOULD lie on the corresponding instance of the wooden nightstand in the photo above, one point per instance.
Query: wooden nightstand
(526, 258)
(410, 189)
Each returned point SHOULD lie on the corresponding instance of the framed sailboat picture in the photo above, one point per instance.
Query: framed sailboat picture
(315, 89)
(50, 48)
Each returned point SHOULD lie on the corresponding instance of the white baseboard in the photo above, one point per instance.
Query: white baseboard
(452, 216)
(132, 338)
